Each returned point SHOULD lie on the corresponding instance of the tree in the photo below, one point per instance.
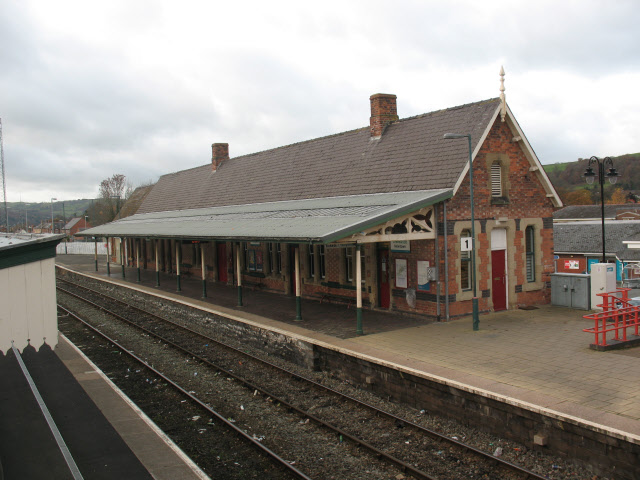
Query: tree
(114, 191)
(581, 196)
(618, 196)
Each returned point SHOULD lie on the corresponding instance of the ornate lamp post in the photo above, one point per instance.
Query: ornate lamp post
(590, 176)
(476, 318)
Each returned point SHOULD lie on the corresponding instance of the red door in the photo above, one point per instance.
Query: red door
(383, 278)
(222, 262)
(498, 280)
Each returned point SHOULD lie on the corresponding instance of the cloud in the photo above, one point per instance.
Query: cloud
(144, 88)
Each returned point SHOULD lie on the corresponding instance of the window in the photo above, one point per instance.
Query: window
(278, 261)
(496, 180)
(321, 264)
(349, 253)
(530, 253)
(465, 265)
(311, 258)
(271, 252)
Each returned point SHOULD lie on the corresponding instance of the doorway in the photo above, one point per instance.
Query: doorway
(384, 292)
(499, 269)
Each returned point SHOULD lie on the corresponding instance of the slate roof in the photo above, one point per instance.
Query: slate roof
(71, 223)
(585, 237)
(410, 156)
(593, 211)
(133, 203)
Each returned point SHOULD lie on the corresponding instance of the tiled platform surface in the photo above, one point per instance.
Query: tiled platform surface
(540, 356)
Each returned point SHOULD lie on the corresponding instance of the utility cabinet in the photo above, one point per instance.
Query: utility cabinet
(571, 290)
(603, 280)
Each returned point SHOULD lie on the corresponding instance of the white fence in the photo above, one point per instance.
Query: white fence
(81, 248)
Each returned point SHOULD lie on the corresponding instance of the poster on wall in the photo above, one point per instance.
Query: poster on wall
(572, 265)
(401, 273)
(423, 275)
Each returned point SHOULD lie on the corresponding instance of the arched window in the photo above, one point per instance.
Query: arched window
(496, 180)
(530, 253)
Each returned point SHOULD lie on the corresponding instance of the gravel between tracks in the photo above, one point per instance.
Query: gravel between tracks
(321, 452)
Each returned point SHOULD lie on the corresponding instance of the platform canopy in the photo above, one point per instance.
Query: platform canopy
(347, 219)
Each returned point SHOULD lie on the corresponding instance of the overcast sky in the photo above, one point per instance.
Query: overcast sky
(143, 88)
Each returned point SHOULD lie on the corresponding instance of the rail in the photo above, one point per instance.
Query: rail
(618, 315)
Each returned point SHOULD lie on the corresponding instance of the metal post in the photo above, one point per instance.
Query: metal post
(157, 243)
(204, 271)
(358, 292)
(476, 319)
(123, 254)
(298, 283)
(95, 243)
(601, 175)
(239, 274)
(138, 258)
(178, 264)
(108, 254)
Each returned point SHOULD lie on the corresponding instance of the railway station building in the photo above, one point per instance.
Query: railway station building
(378, 217)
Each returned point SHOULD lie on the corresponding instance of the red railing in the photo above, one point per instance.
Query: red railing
(617, 316)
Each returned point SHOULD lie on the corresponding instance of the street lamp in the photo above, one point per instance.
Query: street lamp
(590, 176)
(476, 319)
(52, 229)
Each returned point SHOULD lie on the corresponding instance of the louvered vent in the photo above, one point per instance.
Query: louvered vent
(496, 180)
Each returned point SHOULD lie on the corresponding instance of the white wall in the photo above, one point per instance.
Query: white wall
(81, 248)
(28, 312)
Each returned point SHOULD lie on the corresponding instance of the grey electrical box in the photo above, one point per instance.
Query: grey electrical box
(571, 290)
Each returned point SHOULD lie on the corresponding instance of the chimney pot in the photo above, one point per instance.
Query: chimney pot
(219, 153)
(383, 112)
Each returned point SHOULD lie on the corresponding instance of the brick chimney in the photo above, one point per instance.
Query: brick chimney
(219, 153)
(383, 112)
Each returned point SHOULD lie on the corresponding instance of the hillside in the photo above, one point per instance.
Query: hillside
(38, 212)
(568, 180)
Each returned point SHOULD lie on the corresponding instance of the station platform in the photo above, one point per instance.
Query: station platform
(107, 437)
(538, 357)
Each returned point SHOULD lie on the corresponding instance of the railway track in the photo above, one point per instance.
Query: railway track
(408, 447)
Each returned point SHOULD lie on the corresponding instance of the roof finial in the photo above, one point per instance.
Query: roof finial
(503, 106)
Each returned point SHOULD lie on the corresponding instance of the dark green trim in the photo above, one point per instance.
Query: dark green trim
(359, 330)
(298, 309)
(28, 253)
(204, 289)
(240, 295)
(179, 289)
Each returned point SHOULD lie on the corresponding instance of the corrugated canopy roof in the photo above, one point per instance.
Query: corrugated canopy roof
(321, 220)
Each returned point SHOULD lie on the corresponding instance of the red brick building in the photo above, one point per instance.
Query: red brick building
(393, 198)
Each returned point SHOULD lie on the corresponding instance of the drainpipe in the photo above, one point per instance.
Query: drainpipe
(437, 259)
(446, 262)
(358, 291)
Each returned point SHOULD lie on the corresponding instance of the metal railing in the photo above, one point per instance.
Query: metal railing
(618, 315)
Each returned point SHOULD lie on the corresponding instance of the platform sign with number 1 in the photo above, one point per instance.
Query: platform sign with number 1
(466, 244)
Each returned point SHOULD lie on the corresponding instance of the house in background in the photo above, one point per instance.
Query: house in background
(76, 225)
(379, 216)
(577, 235)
